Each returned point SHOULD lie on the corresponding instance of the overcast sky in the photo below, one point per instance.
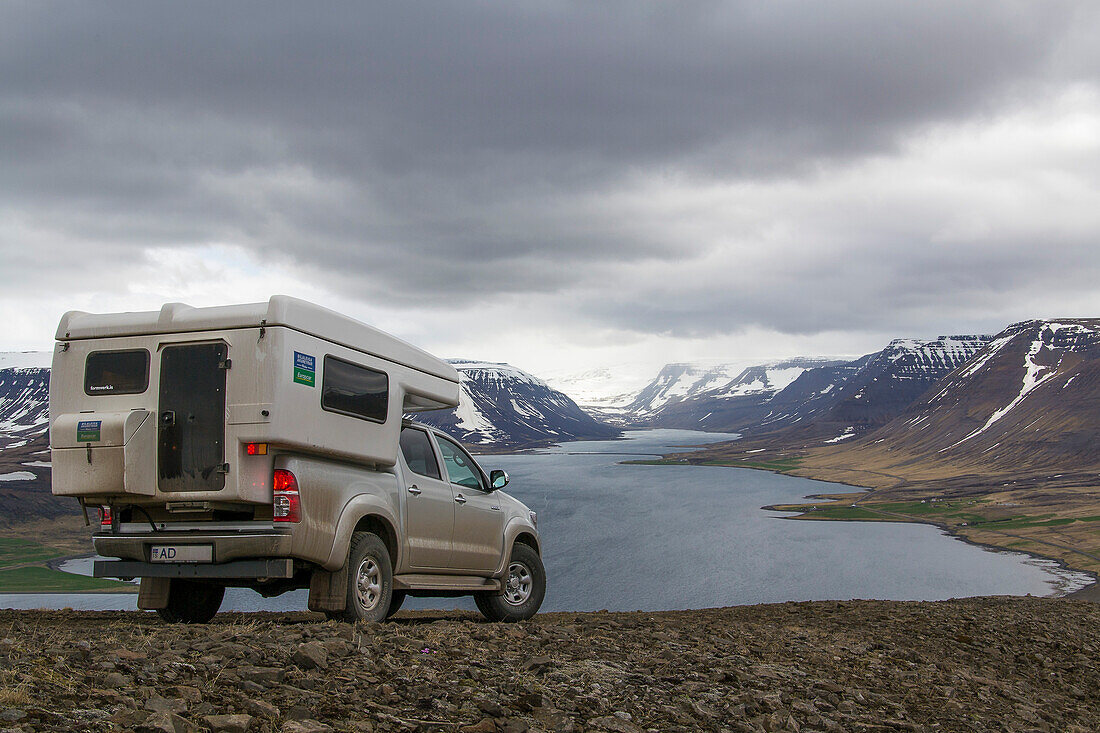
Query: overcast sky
(558, 185)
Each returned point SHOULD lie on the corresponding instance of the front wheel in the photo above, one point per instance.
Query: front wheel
(524, 588)
(396, 600)
(190, 602)
(370, 579)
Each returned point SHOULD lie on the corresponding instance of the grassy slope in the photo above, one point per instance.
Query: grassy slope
(1049, 515)
(23, 567)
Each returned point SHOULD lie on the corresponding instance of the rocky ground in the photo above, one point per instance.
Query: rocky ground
(1016, 664)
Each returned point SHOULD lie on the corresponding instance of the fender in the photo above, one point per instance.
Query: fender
(515, 527)
(361, 505)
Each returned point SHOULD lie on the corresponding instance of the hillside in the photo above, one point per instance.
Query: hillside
(722, 398)
(979, 664)
(501, 406)
(24, 445)
(862, 396)
(1003, 450)
(804, 400)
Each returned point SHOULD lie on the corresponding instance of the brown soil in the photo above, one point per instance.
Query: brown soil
(1015, 664)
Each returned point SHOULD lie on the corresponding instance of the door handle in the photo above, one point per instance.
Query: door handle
(460, 499)
(414, 490)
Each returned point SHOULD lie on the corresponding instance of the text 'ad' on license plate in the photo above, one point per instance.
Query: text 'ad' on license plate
(181, 553)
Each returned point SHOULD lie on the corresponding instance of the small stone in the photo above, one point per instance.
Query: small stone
(166, 723)
(299, 712)
(305, 726)
(159, 723)
(536, 664)
(262, 675)
(514, 725)
(615, 725)
(485, 725)
(260, 708)
(529, 701)
(229, 723)
(490, 708)
(115, 680)
(311, 655)
(12, 715)
(159, 704)
(185, 692)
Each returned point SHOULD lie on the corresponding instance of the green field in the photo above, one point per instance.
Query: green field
(841, 512)
(19, 552)
(23, 570)
(39, 579)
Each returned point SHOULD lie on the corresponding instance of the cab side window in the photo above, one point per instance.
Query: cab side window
(460, 467)
(418, 453)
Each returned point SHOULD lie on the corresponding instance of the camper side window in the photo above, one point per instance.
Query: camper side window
(116, 372)
(354, 390)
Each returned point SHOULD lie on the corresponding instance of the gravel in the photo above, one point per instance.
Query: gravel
(1005, 664)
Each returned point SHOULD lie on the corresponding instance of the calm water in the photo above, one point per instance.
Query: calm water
(625, 537)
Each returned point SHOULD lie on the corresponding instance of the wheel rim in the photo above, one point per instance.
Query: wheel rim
(517, 588)
(368, 584)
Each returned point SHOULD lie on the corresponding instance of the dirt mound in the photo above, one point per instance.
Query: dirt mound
(975, 664)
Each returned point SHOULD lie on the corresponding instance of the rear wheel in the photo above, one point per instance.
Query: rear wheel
(370, 579)
(524, 588)
(190, 602)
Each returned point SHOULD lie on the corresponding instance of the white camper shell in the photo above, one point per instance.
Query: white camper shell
(264, 446)
(164, 404)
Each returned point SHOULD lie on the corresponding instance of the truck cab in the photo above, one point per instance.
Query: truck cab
(267, 446)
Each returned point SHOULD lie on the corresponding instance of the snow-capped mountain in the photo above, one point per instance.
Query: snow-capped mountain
(717, 397)
(1031, 396)
(845, 401)
(1025, 408)
(502, 406)
(24, 445)
(820, 398)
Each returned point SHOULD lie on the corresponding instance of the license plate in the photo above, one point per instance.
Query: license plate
(181, 553)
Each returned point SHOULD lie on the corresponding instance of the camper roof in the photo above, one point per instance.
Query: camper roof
(281, 310)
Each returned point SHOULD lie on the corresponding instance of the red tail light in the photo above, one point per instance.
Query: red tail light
(105, 516)
(286, 504)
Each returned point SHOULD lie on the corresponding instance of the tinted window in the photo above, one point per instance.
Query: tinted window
(460, 467)
(116, 372)
(354, 390)
(418, 453)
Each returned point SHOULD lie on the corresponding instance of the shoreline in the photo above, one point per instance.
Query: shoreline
(1090, 592)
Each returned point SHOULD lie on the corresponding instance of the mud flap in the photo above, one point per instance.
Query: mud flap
(153, 593)
(327, 591)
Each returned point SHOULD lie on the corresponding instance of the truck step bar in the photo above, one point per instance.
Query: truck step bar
(412, 581)
(237, 569)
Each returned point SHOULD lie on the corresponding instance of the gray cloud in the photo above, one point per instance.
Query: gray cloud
(420, 151)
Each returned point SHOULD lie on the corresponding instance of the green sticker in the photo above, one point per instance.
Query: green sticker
(87, 431)
(305, 369)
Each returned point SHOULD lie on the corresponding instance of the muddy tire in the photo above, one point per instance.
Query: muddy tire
(396, 600)
(524, 588)
(370, 579)
(190, 602)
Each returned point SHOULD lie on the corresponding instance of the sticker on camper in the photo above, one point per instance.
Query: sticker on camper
(87, 431)
(305, 369)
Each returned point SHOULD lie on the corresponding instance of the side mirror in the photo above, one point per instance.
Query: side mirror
(498, 479)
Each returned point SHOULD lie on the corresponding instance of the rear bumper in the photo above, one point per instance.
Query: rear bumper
(226, 547)
(235, 570)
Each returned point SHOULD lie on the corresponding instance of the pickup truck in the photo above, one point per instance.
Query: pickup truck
(268, 446)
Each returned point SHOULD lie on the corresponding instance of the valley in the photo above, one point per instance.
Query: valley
(1002, 451)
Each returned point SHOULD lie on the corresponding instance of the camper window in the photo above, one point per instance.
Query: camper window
(354, 390)
(116, 372)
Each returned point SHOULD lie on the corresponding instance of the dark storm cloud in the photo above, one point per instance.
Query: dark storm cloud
(416, 150)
